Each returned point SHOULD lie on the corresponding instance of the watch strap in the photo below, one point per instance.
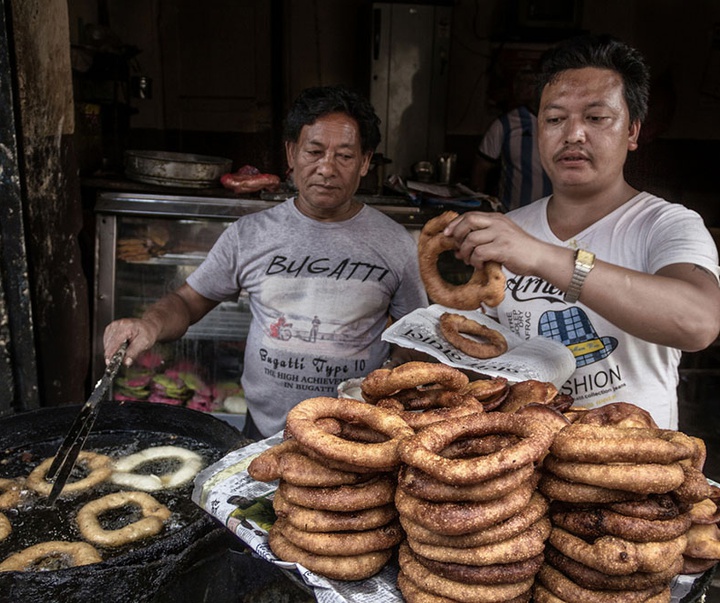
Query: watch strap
(584, 262)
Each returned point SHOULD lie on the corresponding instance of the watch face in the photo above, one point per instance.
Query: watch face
(585, 257)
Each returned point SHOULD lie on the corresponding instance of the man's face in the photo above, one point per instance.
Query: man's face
(327, 163)
(585, 131)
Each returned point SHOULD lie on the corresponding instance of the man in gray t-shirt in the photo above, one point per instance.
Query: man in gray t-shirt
(324, 273)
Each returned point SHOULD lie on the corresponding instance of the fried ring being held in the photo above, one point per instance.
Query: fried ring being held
(455, 327)
(317, 520)
(606, 444)
(384, 383)
(421, 485)
(286, 461)
(563, 587)
(498, 573)
(125, 475)
(5, 527)
(596, 522)
(593, 579)
(301, 423)
(154, 515)
(454, 518)
(10, 490)
(616, 556)
(99, 469)
(485, 286)
(423, 449)
(645, 478)
(518, 548)
(337, 567)
(556, 488)
(51, 555)
(378, 491)
(503, 530)
(458, 591)
(342, 543)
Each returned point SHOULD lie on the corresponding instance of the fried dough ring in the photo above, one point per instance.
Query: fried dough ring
(317, 520)
(587, 577)
(556, 488)
(342, 543)
(703, 542)
(5, 527)
(287, 461)
(486, 285)
(498, 573)
(692, 565)
(448, 409)
(11, 493)
(560, 585)
(421, 485)
(337, 567)
(412, 593)
(695, 487)
(543, 595)
(646, 478)
(454, 327)
(69, 554)
(618, 414)
(596, 522)
(99, 466)
(422, 450)
(154, 516)
(125, 475)
(491, 393)
(464, 517)
(653, 507)
(458, 591)
(384, 383)
(529, 391)
(301, 423)
(503, 530)
(518, 548)
(616, 556)
(378, 491)
(607, 444)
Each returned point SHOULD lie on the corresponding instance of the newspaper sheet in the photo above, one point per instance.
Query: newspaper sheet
(227, 492)
(537, 358)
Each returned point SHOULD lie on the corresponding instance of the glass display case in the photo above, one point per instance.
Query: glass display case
(146, 246)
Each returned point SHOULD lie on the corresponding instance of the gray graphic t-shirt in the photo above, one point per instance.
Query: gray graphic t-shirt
(320, 295)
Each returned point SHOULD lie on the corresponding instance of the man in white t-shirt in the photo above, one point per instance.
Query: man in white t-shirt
(625, 279)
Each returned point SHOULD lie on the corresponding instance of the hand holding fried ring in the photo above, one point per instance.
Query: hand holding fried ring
(486, 285)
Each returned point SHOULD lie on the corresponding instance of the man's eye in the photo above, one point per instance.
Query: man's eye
(552, 120)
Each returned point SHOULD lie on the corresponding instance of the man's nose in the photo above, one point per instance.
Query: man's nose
(574, 130)
(326, 166)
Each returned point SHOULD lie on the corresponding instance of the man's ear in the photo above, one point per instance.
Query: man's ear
(633, 135)
(365, 167)
(290, 153)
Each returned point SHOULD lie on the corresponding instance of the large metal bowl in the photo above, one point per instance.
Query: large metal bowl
(175, 169)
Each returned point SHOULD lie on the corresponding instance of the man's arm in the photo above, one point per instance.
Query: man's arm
(165, 320)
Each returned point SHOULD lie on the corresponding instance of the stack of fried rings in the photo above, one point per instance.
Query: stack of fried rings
(466, 495)
(334, 501)
(619, 513)
(486, 285)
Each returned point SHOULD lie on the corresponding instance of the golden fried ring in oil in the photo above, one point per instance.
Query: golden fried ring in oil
(154, 515)
(99, 466)
(11, 492)
(55, 554)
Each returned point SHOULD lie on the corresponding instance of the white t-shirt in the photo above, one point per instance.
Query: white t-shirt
(320, 294)
(645, 234)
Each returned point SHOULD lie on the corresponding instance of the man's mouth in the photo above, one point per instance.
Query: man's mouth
(570, 157)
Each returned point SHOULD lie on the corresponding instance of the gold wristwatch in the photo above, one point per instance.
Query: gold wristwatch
(584, 262)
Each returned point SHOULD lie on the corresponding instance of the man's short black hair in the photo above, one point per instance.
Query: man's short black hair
(604, 52)
(316, 102)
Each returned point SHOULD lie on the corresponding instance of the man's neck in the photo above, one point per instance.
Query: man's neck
(569, 214)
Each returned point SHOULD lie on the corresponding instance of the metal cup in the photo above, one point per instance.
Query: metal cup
(446, 163)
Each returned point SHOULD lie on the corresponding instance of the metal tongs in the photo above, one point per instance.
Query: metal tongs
(74, 441)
